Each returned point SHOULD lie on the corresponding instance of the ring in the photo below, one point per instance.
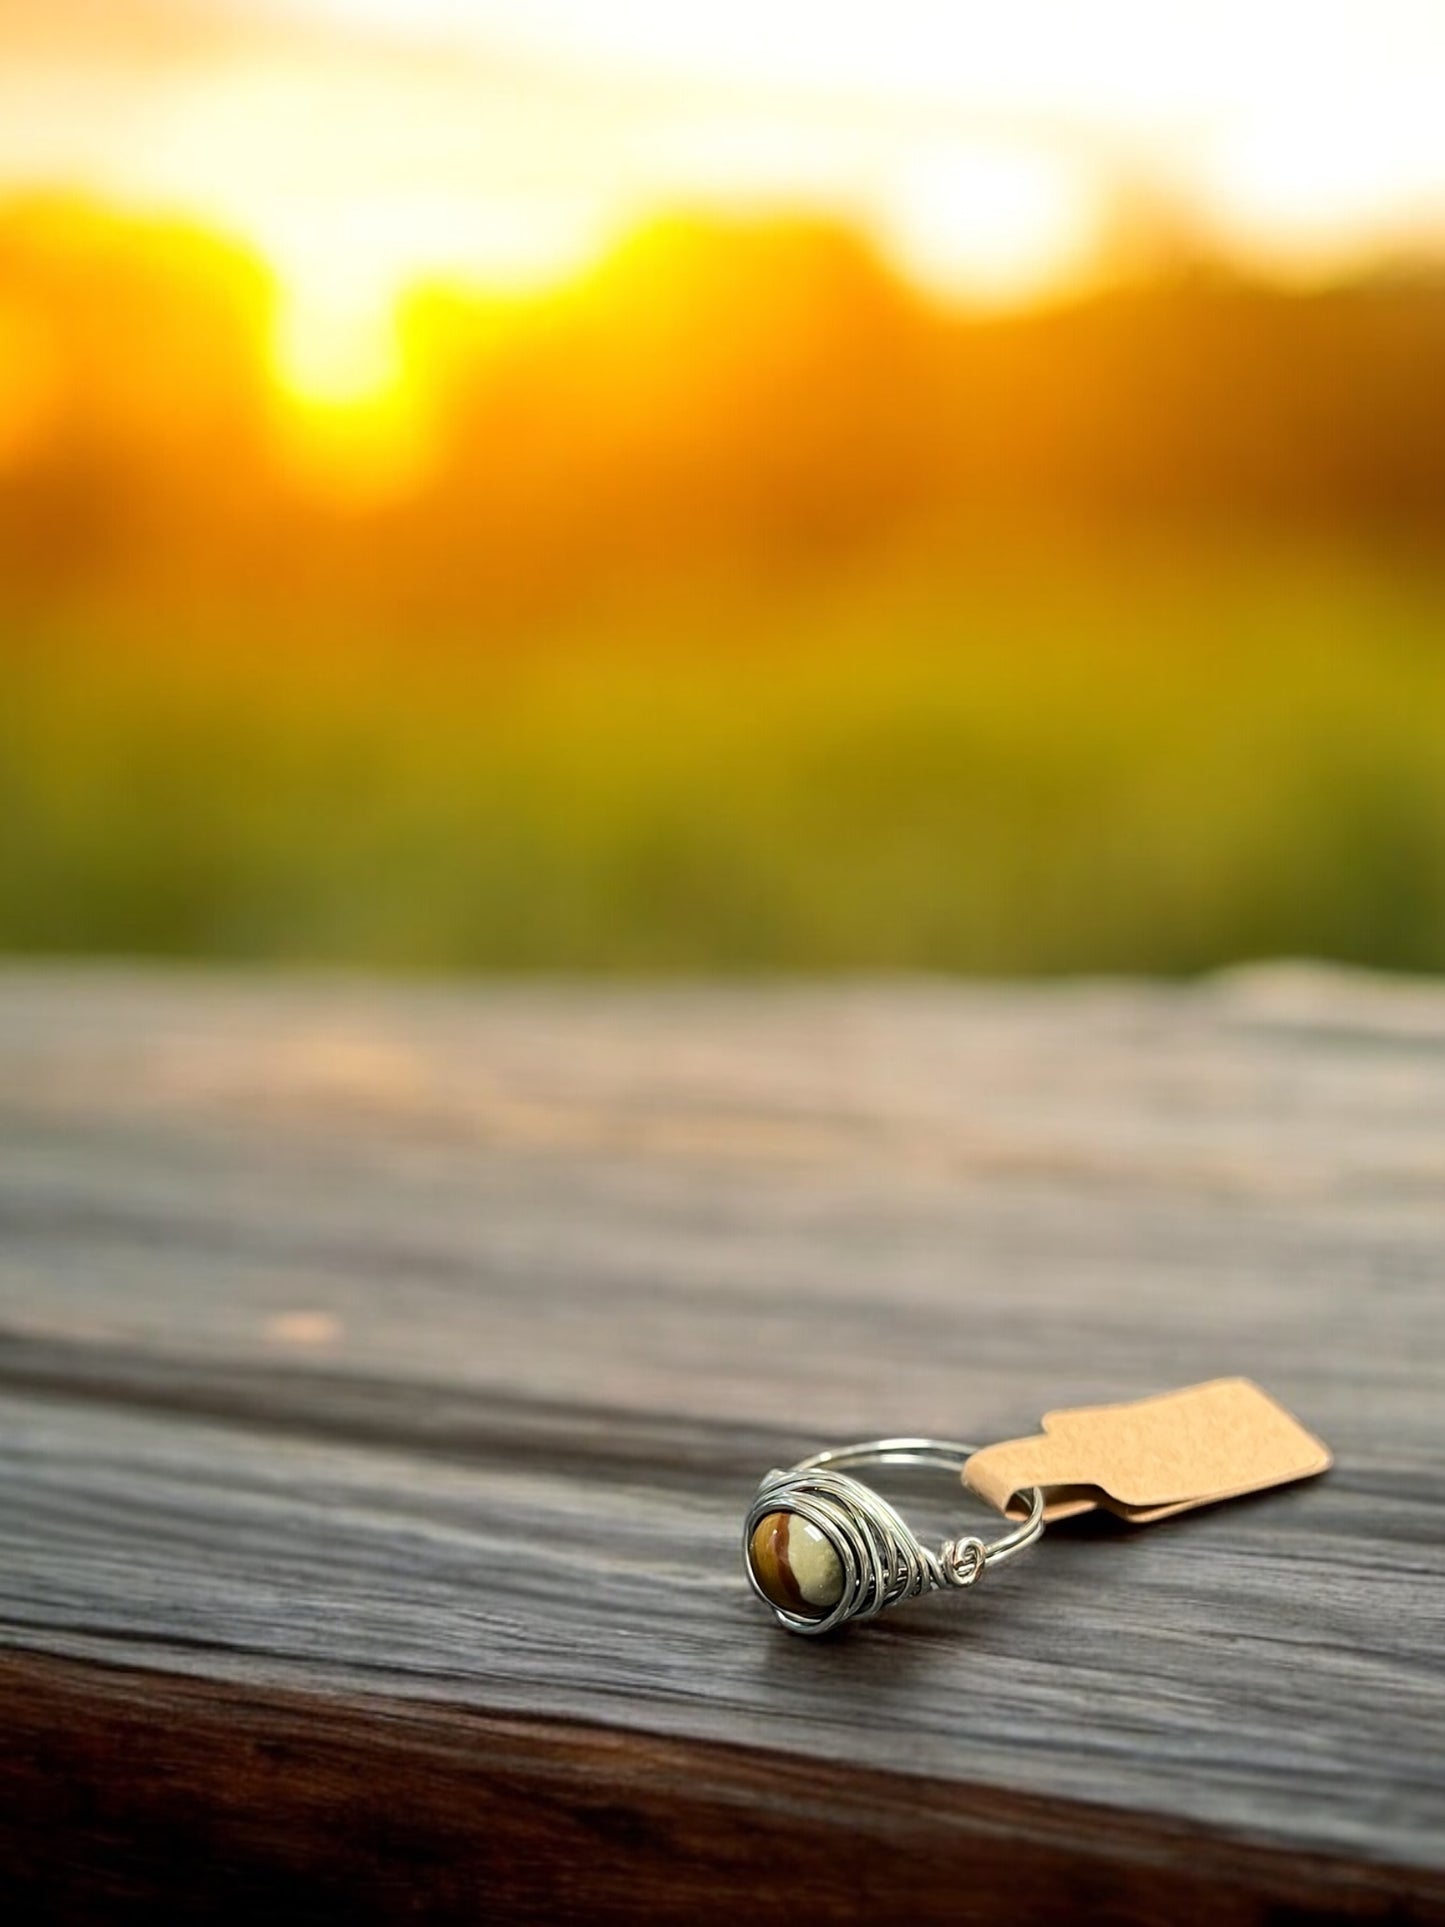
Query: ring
(821, 1548)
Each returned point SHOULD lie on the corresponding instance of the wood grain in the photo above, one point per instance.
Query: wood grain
(384, 1371)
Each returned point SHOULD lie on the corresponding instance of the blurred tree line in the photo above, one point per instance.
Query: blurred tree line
(751, 396)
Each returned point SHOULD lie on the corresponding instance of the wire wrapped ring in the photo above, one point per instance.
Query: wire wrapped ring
(855, 1554)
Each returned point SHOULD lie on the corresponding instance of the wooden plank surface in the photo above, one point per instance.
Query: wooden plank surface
(384, 1371)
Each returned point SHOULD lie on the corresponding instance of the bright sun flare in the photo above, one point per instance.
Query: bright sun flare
(346, 269)
(353, 423)
(335, 349)
(356, 420)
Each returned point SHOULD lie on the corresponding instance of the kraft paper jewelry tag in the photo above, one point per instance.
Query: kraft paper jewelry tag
(1153, 1457)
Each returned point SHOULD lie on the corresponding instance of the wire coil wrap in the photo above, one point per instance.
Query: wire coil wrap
(881, 1558)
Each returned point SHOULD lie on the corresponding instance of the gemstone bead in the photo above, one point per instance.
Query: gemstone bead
(795, 1565)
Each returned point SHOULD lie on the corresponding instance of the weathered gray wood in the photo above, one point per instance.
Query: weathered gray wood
(424, 1343)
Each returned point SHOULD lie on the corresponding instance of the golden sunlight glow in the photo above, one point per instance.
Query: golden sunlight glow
(354, 425)
(356, 415)
(334, 350)
(345, 265)
(357, 454)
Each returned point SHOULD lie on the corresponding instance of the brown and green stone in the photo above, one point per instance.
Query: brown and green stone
(795, 1565)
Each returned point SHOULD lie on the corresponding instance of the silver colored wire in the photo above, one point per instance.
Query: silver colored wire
(882, 1559)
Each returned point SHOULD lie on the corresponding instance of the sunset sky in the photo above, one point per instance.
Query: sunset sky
(991, 151)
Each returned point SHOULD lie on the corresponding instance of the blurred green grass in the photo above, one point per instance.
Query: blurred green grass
(1151, 761)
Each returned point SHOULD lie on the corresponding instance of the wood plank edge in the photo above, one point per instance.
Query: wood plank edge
(124, 1789)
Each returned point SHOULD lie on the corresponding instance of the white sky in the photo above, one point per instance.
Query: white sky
(358, 142)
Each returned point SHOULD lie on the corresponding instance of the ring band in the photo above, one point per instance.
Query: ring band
(821, 1548)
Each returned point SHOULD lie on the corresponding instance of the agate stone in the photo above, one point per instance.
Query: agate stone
(795, 1565)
